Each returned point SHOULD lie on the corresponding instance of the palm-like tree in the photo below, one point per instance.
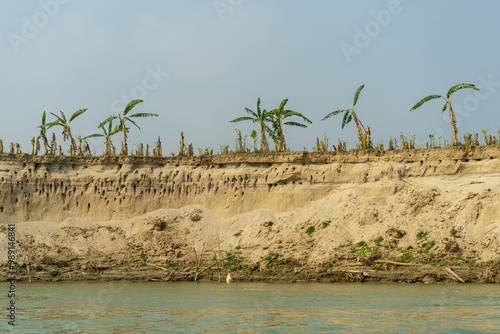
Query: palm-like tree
(107, 134)
(447, 104)
(350, 114)
(128, 118)
(61, 121)
(260, 117)
(277, 118)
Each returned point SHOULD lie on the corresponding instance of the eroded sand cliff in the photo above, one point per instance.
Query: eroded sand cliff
(419, 206)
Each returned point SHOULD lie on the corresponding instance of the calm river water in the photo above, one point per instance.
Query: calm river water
(253, 308)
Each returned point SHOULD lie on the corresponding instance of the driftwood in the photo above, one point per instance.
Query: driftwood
(450, 273)
(354, 264)
(28, 270)
(154, 265)
(395, 263)
(408, 182)
(421, 240)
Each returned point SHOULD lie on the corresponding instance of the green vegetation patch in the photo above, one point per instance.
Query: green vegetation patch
(62, 264)
(310, 230)
(428, 245)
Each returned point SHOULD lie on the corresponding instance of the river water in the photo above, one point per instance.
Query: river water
(121, 307)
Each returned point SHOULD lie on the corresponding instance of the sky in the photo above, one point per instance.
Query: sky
(199, 63)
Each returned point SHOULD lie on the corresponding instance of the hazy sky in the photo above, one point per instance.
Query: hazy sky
(199, 63)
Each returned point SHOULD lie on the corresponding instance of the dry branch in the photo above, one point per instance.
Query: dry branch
(453, 275)
(395, 263)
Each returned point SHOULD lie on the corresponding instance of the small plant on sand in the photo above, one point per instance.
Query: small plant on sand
(237, 234)
(170, 265)
(364, 135)
(421, 234)
(361, 244)
(268, 224)
(447, 104)
(378, 240)
(143, 257)
(310, 230)
(38, 268)
(326, 223)
(53, 273)
(62, 264)
(428, 245)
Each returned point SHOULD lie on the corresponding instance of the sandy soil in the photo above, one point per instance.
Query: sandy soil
(282, 218)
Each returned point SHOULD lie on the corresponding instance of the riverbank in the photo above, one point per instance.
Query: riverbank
(399, 216)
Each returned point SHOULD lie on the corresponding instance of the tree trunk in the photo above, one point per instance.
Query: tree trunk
(453, 120)
(360, 133)
(282, 144)
(45, 140)
(263, 140)
(124, 147)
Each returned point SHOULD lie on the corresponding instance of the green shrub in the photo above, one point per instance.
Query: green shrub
(62, 264)
(310, 230)
(38, 268)
(428, 245)
(378, 240)
(237, 234)
(361, 244)
(326, 223)
(421, 234)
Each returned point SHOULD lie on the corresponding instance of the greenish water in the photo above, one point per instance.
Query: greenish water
(253, 308)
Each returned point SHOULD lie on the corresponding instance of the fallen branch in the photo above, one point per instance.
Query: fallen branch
(154, 265)
(404, 180)
(354, 264)
(395, 263)
(453, 275)
(421, 240)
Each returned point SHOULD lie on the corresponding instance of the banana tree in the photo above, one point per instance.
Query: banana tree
(123, 118)
(260, 117)
(447, 104)
(277, 118)
(350, 114)
(66, 125)
(43, 132)
(108, 123)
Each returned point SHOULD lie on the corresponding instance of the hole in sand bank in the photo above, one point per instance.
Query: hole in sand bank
(88, 208)
(1, 209)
